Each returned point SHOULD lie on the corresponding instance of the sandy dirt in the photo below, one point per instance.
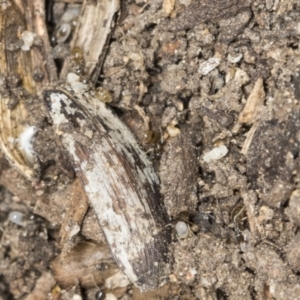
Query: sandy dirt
(216, 85)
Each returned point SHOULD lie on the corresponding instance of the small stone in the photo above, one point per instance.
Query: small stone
(117, 280)
(185, 2)
(265, 214)
(208, 65)
(172, 130)
(235, 58)
(110, 297)
(173, 278)
(72, 77)
(216, 153)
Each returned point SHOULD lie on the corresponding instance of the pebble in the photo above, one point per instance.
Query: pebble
(208, 65)
(215, 153)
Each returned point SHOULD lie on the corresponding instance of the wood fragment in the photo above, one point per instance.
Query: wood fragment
(179, 191)
(119, 181)
(250, 198)
(96, 18)
(249, 138)
(17, 76)
(74, 217)
(253, 106)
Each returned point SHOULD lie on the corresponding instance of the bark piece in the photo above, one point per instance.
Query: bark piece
(23, 73)
(179, 173)
(119, 181)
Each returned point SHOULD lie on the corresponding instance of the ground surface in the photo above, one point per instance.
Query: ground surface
(230, 75)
